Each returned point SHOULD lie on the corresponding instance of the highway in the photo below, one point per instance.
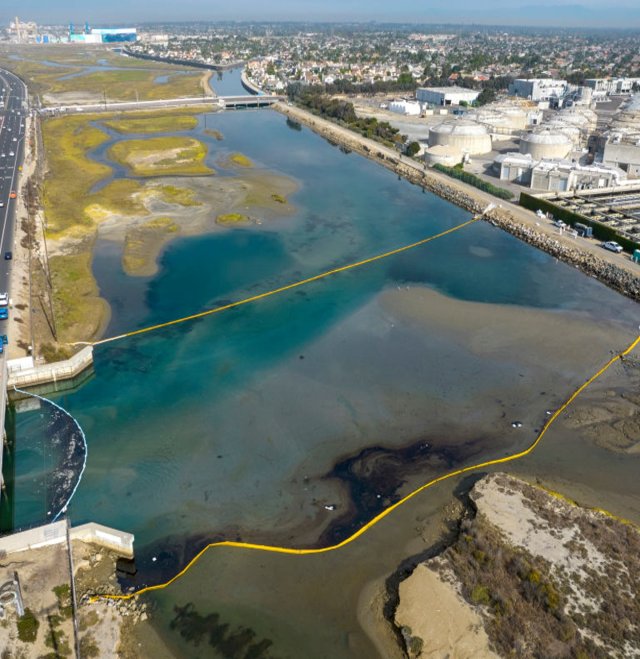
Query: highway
(13, 111)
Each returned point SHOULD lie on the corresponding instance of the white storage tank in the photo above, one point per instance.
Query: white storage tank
(546, 144)
(442, 155)
(462, 135)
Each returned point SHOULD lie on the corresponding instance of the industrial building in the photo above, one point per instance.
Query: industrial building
(539, 89)
(411, 108)
(103, 35)
(443, 96)
(603, 87)
(622, 141)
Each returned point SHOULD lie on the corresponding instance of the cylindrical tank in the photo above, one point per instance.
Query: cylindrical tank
(545, 144)
(442, 155)
(461, 134)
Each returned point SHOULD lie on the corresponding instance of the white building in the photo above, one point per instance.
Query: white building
(564, 175)
(446, 95)
(405, 107)
(538, 89)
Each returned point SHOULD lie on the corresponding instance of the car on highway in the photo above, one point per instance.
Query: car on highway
(12, 195)
(612, 246)
(8, 256)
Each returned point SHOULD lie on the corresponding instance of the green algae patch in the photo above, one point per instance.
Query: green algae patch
(232, 218)
(162, 156)
(143, 243)
(279, 198)
(154, 123)
(172, 194)
(239, 160)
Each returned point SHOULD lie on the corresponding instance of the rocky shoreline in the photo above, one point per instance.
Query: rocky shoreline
(473, 200)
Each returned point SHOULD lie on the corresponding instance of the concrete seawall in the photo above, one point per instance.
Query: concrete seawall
(521, 223)
(248, 85)
(53, 534)
(22, 374)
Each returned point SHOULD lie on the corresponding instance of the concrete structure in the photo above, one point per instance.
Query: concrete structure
(545, 144)
(54, 534)
(442, 155)
(616, 208)
(564, 176)
(461, 135)
(22, 373)
(411, 108)
(538, 89)
(446, 95)
(514, 167)
(611, 86)
(622, 141)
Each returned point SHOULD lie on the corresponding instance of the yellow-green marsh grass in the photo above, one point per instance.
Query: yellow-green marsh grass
(162, 156)
(166, 123)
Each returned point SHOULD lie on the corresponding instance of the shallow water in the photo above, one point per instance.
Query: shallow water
(232, 426)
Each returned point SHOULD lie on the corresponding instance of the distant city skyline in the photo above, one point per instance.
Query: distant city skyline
(562, 13)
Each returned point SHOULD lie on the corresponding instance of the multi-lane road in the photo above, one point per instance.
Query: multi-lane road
(13, 113)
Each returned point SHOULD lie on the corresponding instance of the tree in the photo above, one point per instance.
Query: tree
(412, 148)
(486, 96)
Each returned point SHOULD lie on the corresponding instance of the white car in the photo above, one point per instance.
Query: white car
(4, 299)
(612, 246)
(11, 153)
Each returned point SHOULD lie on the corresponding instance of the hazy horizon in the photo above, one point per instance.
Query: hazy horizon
(562, 14)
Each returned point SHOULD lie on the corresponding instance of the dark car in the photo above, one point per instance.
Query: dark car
(8, 256)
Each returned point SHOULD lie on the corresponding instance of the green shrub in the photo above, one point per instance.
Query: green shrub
(471, 179)
(28, 627)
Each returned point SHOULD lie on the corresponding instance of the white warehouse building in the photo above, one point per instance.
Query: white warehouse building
(446, 95)
(538, 89)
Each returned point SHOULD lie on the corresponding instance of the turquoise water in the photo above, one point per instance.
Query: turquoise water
(232, 425)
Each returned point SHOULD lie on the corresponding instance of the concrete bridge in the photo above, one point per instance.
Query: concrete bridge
(246, 101)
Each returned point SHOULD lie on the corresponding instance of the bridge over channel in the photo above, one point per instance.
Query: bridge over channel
(230, 102)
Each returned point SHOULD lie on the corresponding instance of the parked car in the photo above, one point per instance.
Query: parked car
(8, 256)
(4, 313)
(560, 224)
(4, 339)
(4, 299)
(612, 246)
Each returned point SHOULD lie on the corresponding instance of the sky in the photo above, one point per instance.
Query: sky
(591, 13)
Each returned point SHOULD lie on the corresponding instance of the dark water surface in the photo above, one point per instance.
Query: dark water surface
(294, 419)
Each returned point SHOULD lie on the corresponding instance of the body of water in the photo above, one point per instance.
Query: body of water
(294, 419)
